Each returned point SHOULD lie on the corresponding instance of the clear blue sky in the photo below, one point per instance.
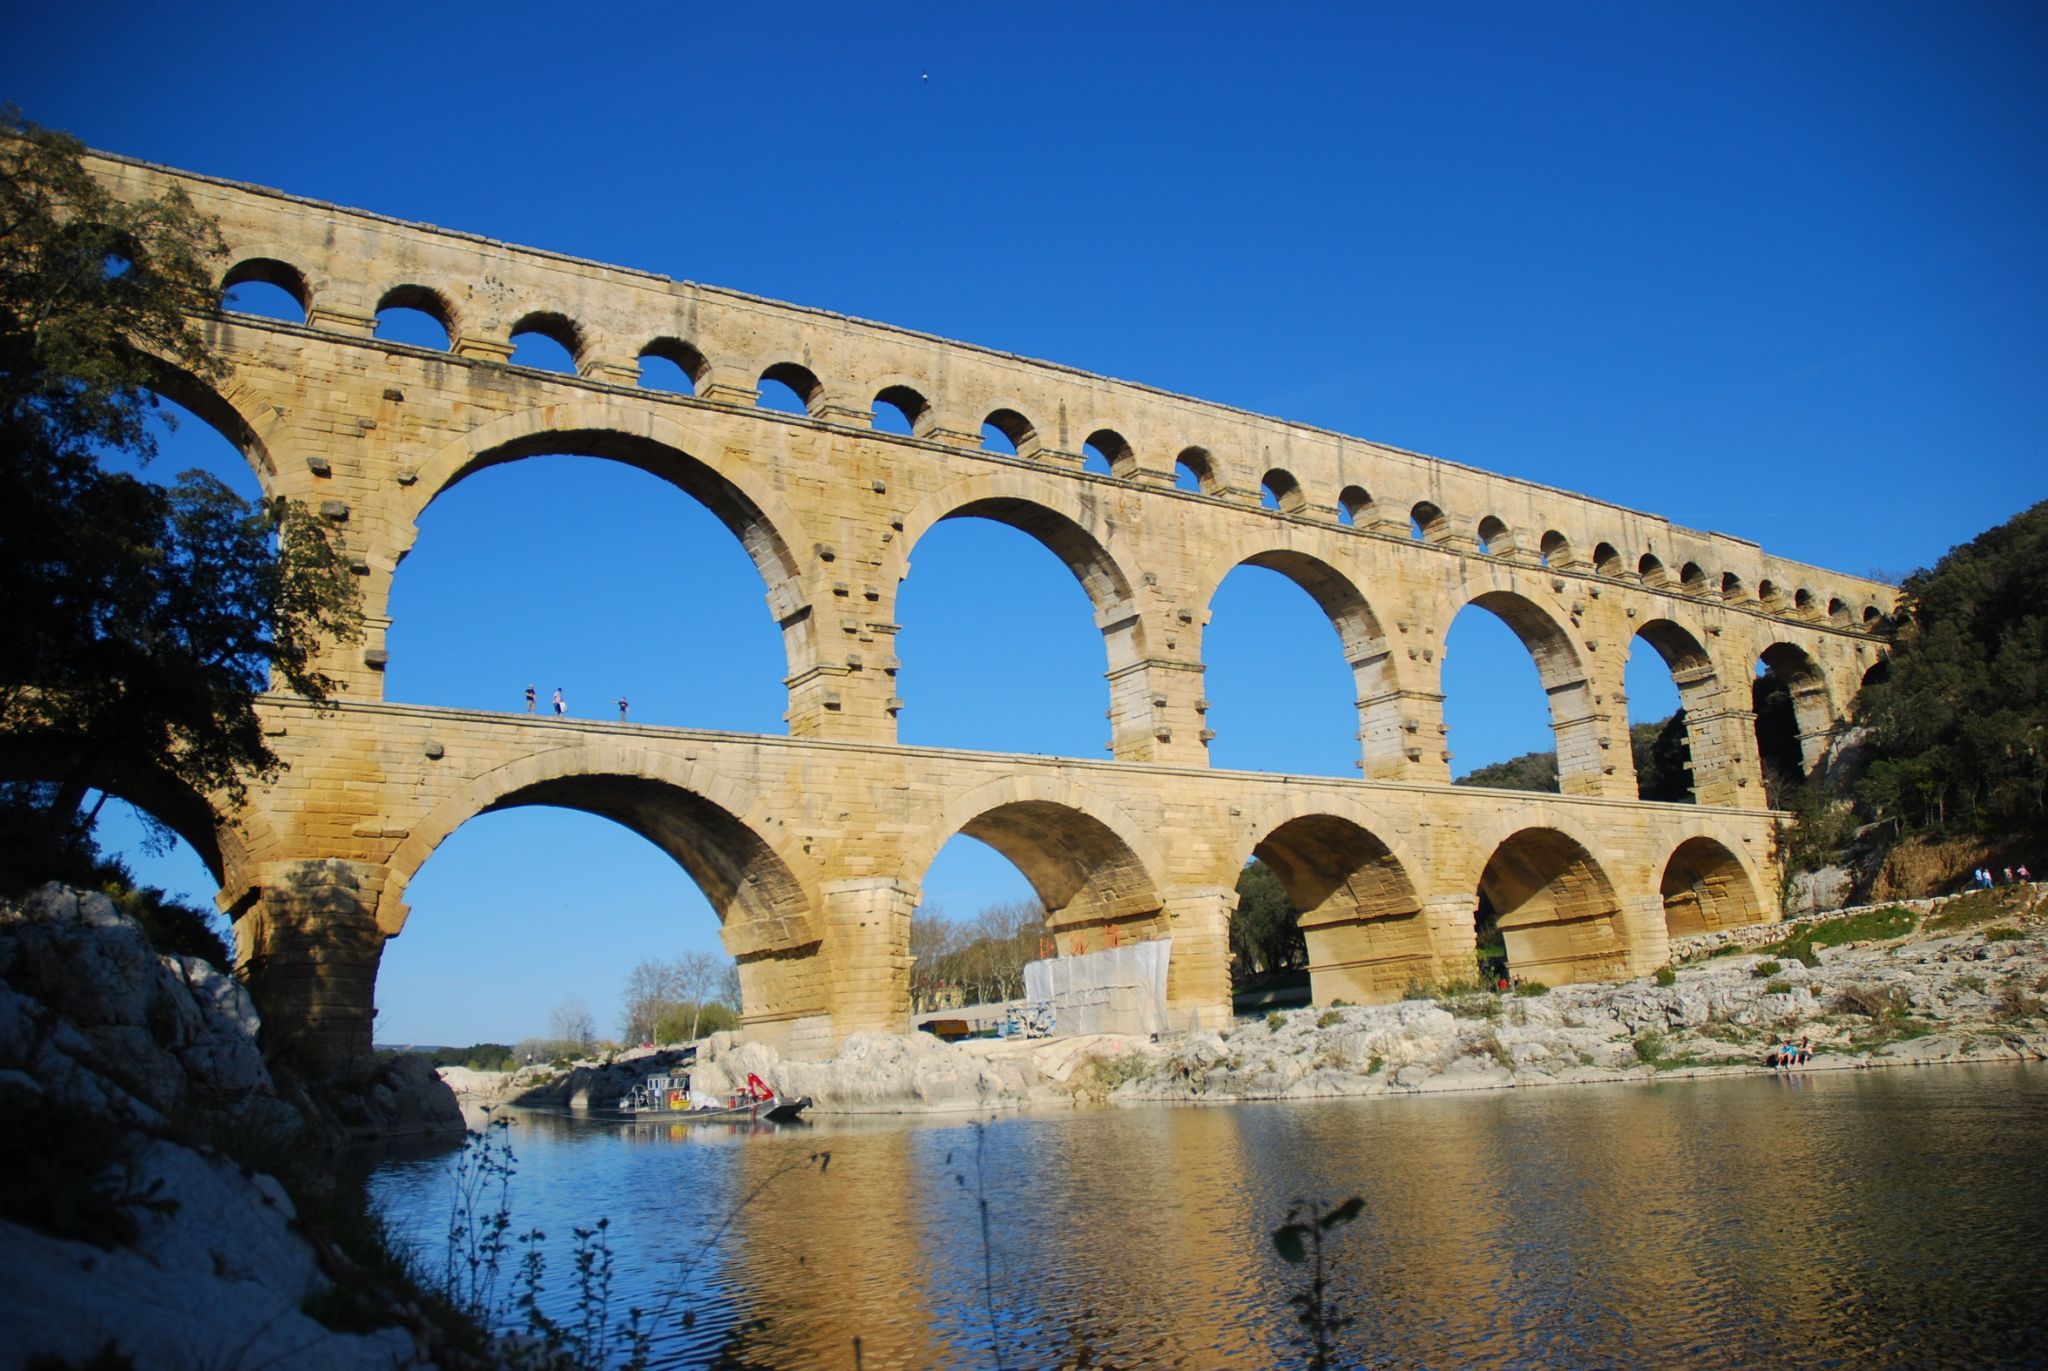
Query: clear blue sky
(1627, 249)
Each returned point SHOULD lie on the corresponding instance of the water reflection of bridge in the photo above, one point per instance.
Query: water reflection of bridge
(1723, 1224)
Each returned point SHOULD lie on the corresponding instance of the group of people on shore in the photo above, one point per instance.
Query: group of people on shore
(1984, 878)
(1788, 1054)
(561, 705)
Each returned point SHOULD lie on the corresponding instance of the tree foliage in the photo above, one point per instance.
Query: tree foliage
(1264, 932)
(980, 960)
(477, 1057)
(1958, 723)
(680, 1000)
(1777, 739)
(571, 1030)
(1530, 771)
(142, 621)
(1662, 752)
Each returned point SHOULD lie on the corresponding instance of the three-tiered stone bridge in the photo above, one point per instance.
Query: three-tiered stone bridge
(812, 846)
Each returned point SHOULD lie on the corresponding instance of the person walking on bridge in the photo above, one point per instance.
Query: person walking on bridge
(560, 707)
(529, 699)
(622, 709)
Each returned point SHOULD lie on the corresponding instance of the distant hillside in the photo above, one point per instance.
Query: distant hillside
(1958, 722)
(1662, 751)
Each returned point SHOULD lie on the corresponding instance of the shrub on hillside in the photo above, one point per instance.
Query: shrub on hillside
(1875, 1002)
(174, 927)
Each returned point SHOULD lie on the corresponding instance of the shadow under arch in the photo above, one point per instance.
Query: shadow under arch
(1557, 910)
(1089, 863)
(1359, 633)
(1813, 707)
(1563, 674)
(766, 527)
(1706, 888)
(1718, 765)
(1359, 912)
(710, 826)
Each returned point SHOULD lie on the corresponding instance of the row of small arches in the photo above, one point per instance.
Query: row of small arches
(421, 316)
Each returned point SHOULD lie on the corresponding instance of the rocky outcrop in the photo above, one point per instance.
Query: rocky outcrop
(222, 1280)
(1811, 892)
(1967, 996)
(90, 1012)
(588, 1084)
(893, 1073)
(874, 1073)
(139, 1213)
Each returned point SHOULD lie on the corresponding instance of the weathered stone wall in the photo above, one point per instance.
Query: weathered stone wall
(812, 853)
(813, 847)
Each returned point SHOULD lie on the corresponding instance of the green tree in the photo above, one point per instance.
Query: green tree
(680, 1000)
(1777, 739)
(1530, 771)
(1959, 719)
(142, 621)
(1662, 753)
(1264, 930)
(1663, 758)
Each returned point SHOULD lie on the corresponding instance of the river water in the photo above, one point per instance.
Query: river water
(1871, 1218)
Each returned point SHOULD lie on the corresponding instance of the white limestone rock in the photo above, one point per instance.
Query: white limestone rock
(219, 1280)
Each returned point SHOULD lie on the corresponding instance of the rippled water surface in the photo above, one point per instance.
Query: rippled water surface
(1891, 1218)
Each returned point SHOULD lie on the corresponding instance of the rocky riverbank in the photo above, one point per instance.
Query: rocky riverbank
(1962, 979)
(142, 1215)
(1958, 980)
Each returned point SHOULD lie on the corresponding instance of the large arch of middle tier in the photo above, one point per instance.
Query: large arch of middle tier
(1090, 541)
(240, 413)
(1589, 759)
(1387, 727)
(684, 449)
(228, 841)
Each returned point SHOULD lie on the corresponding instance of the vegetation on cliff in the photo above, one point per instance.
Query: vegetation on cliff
(1959, 718)
(1950, 767)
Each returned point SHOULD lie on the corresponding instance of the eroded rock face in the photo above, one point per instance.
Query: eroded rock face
(155, 1059)
(1973, 997)
(220, 1282)
(89, 1008)
(1814, 891)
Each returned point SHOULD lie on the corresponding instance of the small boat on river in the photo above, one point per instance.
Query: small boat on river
(671, 1098)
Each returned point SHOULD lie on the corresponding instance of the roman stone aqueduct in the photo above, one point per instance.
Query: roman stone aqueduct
(811, 846)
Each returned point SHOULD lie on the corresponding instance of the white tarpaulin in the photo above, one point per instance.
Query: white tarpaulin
(1119, 990)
